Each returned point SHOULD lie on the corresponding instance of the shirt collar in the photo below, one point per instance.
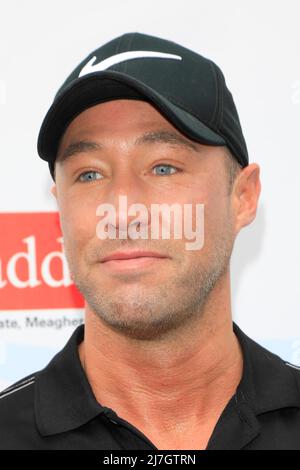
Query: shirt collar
(267, 383)
(64, 399)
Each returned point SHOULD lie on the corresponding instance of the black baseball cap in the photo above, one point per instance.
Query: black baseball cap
(187, 88)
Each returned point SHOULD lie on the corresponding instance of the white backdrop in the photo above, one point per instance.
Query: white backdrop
(257, 45)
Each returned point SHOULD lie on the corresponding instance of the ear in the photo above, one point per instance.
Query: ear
(245, 196)
(54, 191)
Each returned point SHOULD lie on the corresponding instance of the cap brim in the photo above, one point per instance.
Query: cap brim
(103, 86)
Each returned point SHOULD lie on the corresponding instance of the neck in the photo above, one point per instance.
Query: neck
(188, 376)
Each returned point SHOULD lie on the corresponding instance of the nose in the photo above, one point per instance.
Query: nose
(128, 195)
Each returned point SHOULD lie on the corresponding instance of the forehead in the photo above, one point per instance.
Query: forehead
(121, 117)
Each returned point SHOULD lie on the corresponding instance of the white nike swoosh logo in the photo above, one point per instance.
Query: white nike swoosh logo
(117, 58)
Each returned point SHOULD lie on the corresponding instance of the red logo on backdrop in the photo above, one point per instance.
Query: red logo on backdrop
(33, 269)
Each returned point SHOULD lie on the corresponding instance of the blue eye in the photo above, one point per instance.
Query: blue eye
(88, 176)
(164, 172)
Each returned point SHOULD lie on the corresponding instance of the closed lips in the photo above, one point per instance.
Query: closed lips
(133, 254)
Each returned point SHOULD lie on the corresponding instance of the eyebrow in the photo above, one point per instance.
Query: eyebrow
(161, 136)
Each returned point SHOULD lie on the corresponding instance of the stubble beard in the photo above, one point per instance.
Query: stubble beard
(151, 312)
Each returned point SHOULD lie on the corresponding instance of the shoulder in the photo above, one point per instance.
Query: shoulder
(295, 370)
(293, 366)
(17, 421)
(17, 395)
(16, 391)
(17, 387)
(265, 363)
(277, 366)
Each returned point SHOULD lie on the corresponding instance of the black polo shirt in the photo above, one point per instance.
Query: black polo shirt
(55, 408)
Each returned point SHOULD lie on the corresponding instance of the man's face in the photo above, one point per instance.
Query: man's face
(157, 297)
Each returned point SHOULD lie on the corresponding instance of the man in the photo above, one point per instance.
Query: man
(159, 363)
